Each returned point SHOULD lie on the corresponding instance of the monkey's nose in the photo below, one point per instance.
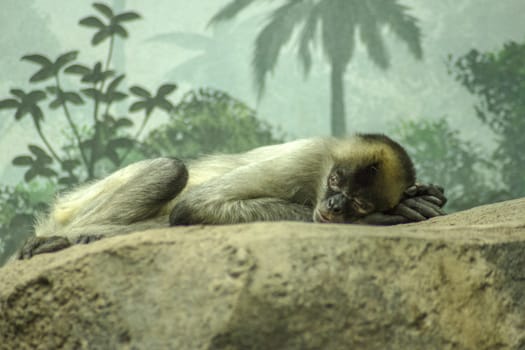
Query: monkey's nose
(334, 205)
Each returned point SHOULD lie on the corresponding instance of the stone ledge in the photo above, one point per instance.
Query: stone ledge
(456, 282)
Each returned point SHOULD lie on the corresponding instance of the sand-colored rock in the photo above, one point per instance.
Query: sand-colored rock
(456, 282)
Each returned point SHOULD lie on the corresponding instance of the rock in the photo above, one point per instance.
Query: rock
(455, 282)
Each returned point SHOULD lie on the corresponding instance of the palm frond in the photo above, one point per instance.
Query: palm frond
(230, 10)
(402, 24)
(370, 33)
(307, 38)
(338, 29)
(273, 37)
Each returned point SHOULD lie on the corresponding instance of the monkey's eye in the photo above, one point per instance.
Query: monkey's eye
(365, 176)
(373, 169)
(333, 180)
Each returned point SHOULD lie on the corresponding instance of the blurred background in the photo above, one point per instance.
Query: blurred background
(88, 87)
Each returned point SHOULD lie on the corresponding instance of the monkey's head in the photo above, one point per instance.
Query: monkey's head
(369, 173)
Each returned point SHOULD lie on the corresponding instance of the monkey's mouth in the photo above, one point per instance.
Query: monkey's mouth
(323, 218)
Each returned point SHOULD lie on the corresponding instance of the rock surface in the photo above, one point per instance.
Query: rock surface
(456, 282)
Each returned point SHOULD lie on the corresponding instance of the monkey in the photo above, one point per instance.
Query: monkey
(361, 179)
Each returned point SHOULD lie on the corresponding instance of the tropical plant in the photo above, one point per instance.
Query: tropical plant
(92, 145)
(209, 121)
(336, 23)
(498, 79)
(441, 156)
(18, 207)
(105, 139)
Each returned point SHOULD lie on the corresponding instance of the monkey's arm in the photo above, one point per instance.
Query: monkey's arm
(245, 194)
(217, 212)
(420, 202)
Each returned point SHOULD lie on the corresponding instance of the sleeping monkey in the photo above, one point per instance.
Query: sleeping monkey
(363, 179)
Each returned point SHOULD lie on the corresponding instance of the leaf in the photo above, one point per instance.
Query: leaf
(165, 105)
(230, 10)
(139, 91)
(273, 37)
(307, 38)
(43, 74)
(166, 89)
(100, 36)
(122, 142)
(137, 106)
(22, 161)
(77, 69)
(69, 164)
(36, 96)
(118, 96)
(119, 30)
(46, 172)
(38, 59)
(74, 98)
(93, 93)
(55, 103)
(22, 111)
(38, 151)
(9, 103)
(113, 85)
(126, 16)
(123, 123)
(104, 9)
(37, 114)
(18, 93)
(112, 156)
(52, 89)
(68, 181)
(64, 59)
(30, 175)
(92, 21)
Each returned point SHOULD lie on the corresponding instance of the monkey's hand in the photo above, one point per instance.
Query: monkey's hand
(43, 244)
(419, 202)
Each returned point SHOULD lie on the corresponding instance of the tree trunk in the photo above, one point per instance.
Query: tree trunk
(337, 106)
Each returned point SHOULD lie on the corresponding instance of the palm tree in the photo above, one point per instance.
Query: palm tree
(335, 23)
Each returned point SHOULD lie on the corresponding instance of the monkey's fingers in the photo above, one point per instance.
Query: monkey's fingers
(382, 219)
(423, 207)
(433, 200)
(436, 191)
(428, 202)
(40, 245)
(406, 211)
(419, 190)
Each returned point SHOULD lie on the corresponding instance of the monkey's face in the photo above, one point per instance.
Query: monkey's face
(351, 193)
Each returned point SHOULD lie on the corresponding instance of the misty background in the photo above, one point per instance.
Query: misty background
(444, 78)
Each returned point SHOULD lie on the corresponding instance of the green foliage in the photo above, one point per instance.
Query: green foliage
(498, 79)
(336, 23)
(209, 121)
(442, 157)
(112, 28)
(108, 140)
(99, 144)
(18, 207)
